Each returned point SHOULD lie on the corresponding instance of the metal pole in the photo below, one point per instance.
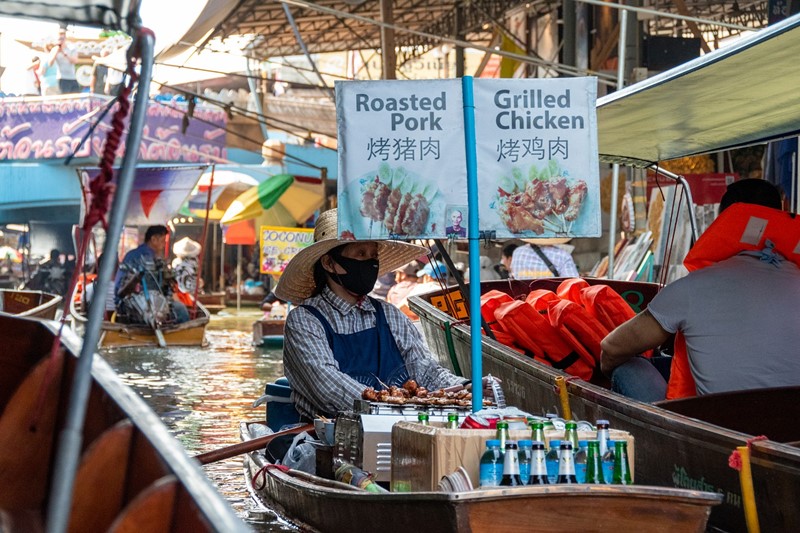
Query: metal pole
(689, 200)
(612, 223)
(666, 14)
(251, 82)
(71, 437)
(302, 44)
(474, 238)
(564, 69)
(238, 279)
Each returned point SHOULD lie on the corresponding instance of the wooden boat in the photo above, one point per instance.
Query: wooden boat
(686, 443)
(132, 476)
(191, 333)
(318, 504)
(34, 304)
(247, 300)
(268, 332)
(214, 302)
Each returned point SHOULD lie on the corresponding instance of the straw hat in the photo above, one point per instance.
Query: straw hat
(186, 247)
(553, 241)
(297, 281)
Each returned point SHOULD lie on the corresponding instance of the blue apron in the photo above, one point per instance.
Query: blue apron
(367, 355)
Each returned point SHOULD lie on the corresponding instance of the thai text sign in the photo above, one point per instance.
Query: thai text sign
(53, 128)
(402, 158)
(279, 245)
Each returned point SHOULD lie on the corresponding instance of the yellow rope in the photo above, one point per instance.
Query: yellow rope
(748, 495)
(566, 412)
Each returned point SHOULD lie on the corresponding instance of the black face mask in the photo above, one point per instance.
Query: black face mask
(359, 277)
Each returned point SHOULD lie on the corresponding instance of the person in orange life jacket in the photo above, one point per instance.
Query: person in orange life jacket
(338, 340)
(737, 317)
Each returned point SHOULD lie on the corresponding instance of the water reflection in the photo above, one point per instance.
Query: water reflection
(202, 394)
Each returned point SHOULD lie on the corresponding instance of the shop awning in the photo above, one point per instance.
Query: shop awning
(741, 95)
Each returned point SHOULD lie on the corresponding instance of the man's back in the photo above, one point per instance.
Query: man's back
(739, 321)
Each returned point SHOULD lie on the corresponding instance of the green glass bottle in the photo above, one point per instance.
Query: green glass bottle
(452, 421)
(594, 464)
(537, 431)
(422, 418)
(502, 434)
(622, 471)
(571, 434)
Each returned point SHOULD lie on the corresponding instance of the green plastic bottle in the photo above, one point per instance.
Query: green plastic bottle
(622, 471)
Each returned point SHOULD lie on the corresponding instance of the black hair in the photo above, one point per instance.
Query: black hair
(320, 274)
(508, 249)
(751, 191)
(54, 253)
(155, 231)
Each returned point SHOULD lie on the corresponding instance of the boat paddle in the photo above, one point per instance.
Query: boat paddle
(153, 319)
(248, 446)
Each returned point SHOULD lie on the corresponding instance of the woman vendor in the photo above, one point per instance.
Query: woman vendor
(338, 341)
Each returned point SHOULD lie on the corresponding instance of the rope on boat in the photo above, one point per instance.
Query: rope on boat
(451, 349)
(740, 460)
(98, 196)
(262, 472)
(560, 388)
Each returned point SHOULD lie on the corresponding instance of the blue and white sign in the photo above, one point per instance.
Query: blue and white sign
(538, 170)
(401, 158)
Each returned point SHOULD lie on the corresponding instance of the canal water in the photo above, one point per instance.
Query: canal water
(202, 394)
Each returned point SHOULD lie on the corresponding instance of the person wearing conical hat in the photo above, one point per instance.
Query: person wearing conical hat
(184, 266)
(338, 340)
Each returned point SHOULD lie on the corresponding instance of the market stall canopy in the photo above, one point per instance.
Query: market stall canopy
(228, 185)
(282, 200)
(158, 192)
(111, 14)
(737, 96)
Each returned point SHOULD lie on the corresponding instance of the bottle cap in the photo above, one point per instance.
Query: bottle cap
(555, 443)
(525, 442)
(502, 424)
(601, 423)
(452, 416)
(566, 445)
(492, 442)
(570, 425)
(583, 443)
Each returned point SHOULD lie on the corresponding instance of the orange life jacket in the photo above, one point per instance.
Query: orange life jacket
(570, 289)
(739, 228)
(608, 307)
(540, 299)
(79, 287)
(582, 331)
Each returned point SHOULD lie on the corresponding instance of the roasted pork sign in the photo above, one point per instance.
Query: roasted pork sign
(53, 128)
(402, 158)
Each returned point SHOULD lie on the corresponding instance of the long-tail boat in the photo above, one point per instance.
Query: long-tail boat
(315, 503)
(132, 475)
(33, 304)
(684, 443)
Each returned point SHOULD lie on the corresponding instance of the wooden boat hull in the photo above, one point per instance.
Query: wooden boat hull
(678, 450)
(268, 332)
(323, 505)
(191, 333)
(133, 475)
(214, 302)
(33, 304)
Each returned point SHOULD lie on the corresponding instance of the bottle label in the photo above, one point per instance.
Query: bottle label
(539, 465)
(490, 474)
(566, 466)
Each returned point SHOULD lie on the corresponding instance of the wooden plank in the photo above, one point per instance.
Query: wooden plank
(25, 451)
(150, 511)
(102, 472)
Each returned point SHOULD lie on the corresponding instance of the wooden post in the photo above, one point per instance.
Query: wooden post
(388, 56)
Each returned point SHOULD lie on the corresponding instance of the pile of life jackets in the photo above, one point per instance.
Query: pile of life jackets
(562, 329)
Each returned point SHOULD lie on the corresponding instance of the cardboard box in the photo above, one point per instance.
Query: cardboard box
(422, 455)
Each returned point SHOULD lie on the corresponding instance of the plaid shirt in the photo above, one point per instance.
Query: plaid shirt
(526, 263)
(318, 386)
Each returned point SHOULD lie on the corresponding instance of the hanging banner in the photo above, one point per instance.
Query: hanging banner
(279, 245)
(538, 170)
(402, 170)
